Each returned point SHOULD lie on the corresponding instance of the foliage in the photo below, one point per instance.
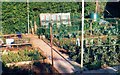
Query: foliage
(102, 48)
(91, 7)
(14, 14)
(73, 31)
(14, 17)
(40, 31)
(22, 55)
(94, 56)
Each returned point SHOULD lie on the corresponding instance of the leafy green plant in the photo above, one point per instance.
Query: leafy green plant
(94, 56)
(40, 31)
(22, 55)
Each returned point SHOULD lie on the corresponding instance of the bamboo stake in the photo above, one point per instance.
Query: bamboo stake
(82, 40)
(96, 6)
(51, 39)
(28, 14)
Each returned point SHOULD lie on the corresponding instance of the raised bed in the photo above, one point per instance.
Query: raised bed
(21, 55)
(26, 61)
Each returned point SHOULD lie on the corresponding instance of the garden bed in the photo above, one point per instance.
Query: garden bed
(96, 53)
(21, 55)
(25, 60)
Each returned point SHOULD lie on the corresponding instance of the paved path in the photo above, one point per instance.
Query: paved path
(60, 63)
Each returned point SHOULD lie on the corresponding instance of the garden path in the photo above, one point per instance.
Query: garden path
(62, 65)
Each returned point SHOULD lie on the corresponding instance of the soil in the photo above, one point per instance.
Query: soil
(34, 69)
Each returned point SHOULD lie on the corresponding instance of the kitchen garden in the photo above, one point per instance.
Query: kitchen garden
(101, 43)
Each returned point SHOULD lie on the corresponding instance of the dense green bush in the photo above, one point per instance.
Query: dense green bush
(14, 17)
(14, 20)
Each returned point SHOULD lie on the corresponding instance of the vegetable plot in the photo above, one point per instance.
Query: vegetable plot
(101, 47)
(22, 55)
